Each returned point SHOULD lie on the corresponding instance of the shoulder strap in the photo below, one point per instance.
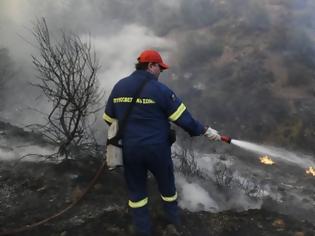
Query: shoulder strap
(123, 122)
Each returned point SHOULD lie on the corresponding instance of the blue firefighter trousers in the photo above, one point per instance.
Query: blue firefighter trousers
(138, 160)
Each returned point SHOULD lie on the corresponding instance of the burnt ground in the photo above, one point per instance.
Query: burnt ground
(32, 191)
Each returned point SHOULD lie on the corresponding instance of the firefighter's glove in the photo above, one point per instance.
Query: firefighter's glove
(212, 134)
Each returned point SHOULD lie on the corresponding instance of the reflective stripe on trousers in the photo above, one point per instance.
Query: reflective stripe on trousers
(170, 198)
(138, 204)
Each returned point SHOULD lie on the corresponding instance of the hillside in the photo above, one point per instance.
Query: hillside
(28, 197)
(244, 67)
(31, 191)
(249, 71)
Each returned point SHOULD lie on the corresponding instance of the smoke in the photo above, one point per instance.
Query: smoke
(118, 58)
(209, 194)
(200, 200)
(278, 153)
(209, 41)
(244, 66)
(240, 182)
(117, 38)
(16, 145)
(17, 150)
(7, 154)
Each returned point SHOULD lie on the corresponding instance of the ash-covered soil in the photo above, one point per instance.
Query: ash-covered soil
(30, 192)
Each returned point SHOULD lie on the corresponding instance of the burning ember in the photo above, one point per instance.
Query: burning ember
(310, 171)
(266, 160)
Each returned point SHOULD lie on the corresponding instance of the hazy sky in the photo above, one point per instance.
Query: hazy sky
(117, 30)
(121, 29)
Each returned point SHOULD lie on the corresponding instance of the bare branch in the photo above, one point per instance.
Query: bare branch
(67, 77)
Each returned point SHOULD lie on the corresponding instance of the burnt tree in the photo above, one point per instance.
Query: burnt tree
(67, 70)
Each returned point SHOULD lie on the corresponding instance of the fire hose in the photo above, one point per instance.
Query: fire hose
(226, 139)
(36, 224)
(4, 232)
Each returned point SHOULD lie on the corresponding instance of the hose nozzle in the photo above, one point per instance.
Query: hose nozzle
(226, 139)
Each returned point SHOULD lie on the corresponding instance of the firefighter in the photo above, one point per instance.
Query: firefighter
(146, 137)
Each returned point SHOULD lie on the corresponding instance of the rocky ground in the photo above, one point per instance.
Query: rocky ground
(30, 192)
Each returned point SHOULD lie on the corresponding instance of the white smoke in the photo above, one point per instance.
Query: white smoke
(27, 152)
(249, 185)
(119, 31)
(17, 148)
(118, 58)
(193, 197)
(117, 47)
(280, 154)
(7, 154)
(204, 195)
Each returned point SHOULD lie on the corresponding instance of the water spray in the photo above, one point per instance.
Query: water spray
(281, 154)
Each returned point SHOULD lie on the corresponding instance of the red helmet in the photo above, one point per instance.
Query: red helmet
(152, 56)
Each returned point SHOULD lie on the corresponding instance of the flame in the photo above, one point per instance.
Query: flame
(310, 171)
(266, 160)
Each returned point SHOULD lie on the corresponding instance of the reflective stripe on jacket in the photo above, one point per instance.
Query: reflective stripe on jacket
(157, 105)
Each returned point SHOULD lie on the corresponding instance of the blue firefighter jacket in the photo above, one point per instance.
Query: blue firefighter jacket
(156, 106)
